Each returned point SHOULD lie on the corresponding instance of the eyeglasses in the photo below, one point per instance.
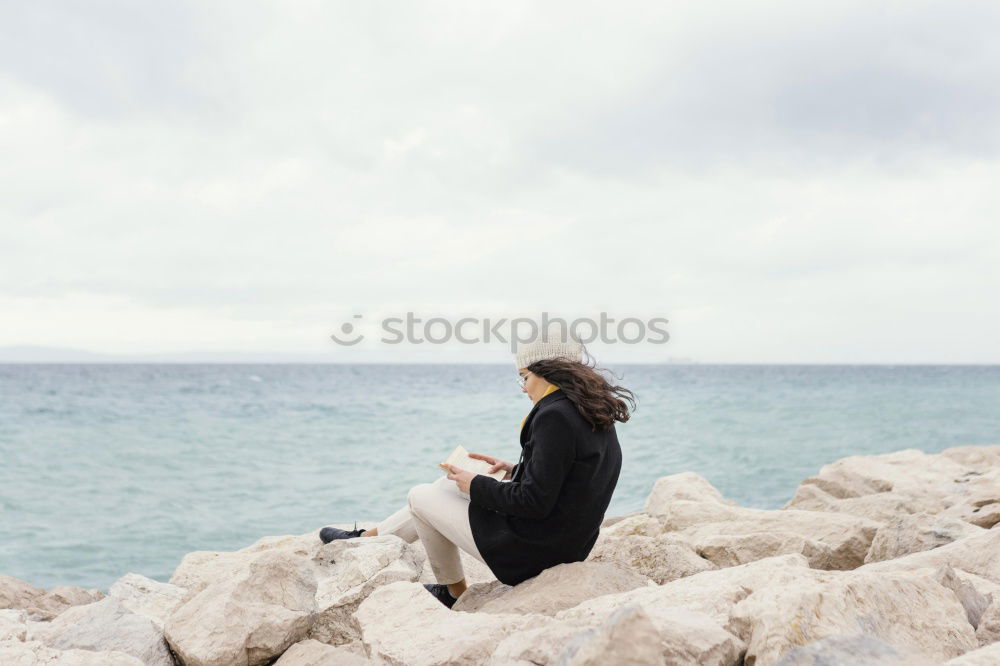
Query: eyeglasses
(521, 380)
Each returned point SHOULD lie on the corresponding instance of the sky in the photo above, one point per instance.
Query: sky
(785, 182)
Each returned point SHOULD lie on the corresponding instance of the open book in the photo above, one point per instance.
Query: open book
(460, 458)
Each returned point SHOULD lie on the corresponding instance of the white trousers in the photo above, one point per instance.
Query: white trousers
(437, 514)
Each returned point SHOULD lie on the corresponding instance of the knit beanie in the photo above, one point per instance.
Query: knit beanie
(553, 345)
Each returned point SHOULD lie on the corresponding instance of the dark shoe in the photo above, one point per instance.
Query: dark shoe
(328, 534)
(441, 593)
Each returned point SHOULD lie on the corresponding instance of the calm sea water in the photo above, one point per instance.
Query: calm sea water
(108, 469)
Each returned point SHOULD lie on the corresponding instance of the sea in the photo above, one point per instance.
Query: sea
(107, 469)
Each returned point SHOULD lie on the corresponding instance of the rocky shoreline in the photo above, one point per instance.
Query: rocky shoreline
(891, 559)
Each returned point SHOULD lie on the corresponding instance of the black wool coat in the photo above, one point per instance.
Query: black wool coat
(551, 510)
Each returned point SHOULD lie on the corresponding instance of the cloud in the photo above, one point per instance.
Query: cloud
(778, 171)
(797, 85)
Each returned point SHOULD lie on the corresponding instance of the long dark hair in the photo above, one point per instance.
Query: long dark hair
(599, 401)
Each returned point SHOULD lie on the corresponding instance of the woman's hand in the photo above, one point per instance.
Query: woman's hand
(497, 464)
(460, 476)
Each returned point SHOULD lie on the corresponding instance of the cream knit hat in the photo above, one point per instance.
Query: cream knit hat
(554, 344)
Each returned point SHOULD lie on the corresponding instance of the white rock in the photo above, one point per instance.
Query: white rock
(977, 458)
(249, 617)
(106, 626)
(353, 568)
(713, 593)
(199, 569)
(148, 597)
(914, 533)
(989, 623)
(856, 649)
(557, 588)
(975, 554)
(880, 507)
(661, 559)
(637, 524)
(682, 636)
(687, 486)
(39, 604)
(962, 483)
(13, 624)
(979, 501)
(402, 623)
(848, 537)
(313, 653)
(907, 610)
(16, 593)
(909, 472)
(984, 656)
(36, 653)
(724, 550)
(973, 601)
(629, 635)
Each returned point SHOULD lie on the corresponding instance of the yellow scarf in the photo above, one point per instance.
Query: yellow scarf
(550, 389)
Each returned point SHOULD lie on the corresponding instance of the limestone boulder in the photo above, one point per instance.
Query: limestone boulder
(724, 550)
(249, 617)
(986, 515)
(988, 630)
(909, 472)
(313, 653)
(856, 649)
(962, 483)
(712, 593)
(976, 458)
(661, 558)
(627, 636)
(36, 653)
(979, 500)
(847, 537)
(16, 593)
(975, 555)
(686, 486)
(914, 533)
(974, 601)
(148, 597)
(351, 569)
(41, 605)
(984, 656)
(880, 507)
(636, 524)
(13, 624)
(105, 626)
(199, 569)
(556, 589)
(908, 611)
(401, 623)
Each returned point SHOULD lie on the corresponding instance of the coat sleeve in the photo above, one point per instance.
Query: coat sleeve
(534, 495)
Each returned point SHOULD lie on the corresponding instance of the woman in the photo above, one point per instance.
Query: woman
(549, 507)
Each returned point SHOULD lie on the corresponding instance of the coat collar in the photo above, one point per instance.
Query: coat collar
(546, 399)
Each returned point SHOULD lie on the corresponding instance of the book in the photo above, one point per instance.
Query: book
(460, 458)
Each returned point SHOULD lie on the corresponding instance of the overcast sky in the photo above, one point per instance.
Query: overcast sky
(784, 181)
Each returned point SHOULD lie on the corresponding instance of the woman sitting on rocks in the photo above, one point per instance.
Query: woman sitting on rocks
(549, 507)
